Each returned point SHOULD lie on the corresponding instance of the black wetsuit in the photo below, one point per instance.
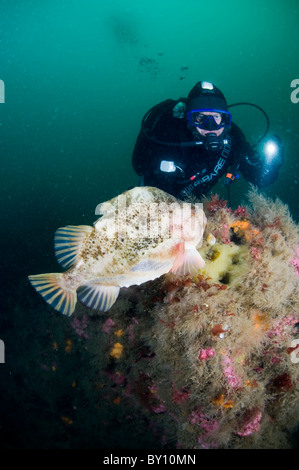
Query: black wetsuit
(169, 138)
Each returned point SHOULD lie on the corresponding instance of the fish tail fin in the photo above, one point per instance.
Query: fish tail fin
(51, 287)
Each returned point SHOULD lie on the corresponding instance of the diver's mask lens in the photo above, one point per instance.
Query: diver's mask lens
(204, 119)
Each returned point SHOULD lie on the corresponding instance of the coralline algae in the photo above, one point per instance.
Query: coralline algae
(209, 359)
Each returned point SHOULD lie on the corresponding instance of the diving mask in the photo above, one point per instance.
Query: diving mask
(204, 119)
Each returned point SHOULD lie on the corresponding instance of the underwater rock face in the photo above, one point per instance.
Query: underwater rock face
(213, 360)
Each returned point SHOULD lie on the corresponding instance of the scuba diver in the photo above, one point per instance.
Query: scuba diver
(185, 146)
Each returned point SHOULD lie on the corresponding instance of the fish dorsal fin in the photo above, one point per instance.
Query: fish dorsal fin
(68, 242)
(188, 261)
(97, 296)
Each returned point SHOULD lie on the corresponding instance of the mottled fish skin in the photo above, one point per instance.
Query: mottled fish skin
(134, 241)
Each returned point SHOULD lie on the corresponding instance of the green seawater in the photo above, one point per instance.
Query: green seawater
(79, 76)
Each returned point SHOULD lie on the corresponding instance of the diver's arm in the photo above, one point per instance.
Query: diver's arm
(154, 128)
(157, 149)
(152, 163)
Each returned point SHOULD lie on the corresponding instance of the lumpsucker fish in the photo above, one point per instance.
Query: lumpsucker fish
(140, 235)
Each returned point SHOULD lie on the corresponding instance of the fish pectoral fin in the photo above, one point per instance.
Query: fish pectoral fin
(68, 242)
(188, 261)
(144, 271)
(98, 296)
(51, 287)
